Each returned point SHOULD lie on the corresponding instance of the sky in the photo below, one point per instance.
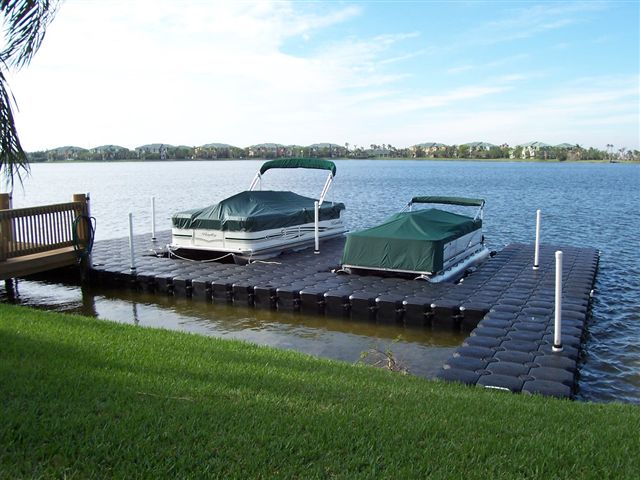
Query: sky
(192, 72)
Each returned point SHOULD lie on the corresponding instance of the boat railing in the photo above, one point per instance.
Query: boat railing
(31, 230)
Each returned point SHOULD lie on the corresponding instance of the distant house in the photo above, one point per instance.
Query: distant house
(294, 151)
(66, 153)
(426, 148)
(153, 149)
(217, 150)
(378, 153)
(328, 150)
(216, 146)
(479, 146)
(529, 150)
(110, 152)
(265, 150)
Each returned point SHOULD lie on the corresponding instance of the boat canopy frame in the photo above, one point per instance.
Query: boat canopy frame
(462, 201)
(309, 163)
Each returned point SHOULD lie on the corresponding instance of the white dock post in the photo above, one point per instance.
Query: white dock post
(153, 218)
(557, 330)
(131, 250)
(536, 257)
(317, 227)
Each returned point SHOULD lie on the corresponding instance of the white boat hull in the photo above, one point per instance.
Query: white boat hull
(255, 245)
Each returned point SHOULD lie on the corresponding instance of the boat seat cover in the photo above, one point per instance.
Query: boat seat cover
(253, 211)
(409, 241)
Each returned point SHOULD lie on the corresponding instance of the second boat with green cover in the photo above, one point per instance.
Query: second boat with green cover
(430, 244)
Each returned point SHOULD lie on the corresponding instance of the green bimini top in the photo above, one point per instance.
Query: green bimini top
(407, 241)
(464, 201)
(315, 163)
(253, 211)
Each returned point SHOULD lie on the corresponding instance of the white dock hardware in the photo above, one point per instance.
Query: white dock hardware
(536, 255)
(316, 226)
(153, 218)
(132, 266)
(557, 327)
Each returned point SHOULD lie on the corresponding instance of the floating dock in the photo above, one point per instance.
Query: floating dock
(507, 307)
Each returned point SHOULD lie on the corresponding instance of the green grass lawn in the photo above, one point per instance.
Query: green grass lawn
(83, 398)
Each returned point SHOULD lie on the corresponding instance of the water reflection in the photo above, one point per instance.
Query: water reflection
(422, 351)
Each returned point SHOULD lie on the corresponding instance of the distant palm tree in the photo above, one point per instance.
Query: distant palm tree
(25, 22)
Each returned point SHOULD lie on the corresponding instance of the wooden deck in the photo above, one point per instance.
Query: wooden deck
(38, 262)
(38, 239)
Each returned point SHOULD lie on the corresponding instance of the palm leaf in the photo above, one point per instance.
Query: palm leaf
(25, 25)
(26, 22)
(13, 160)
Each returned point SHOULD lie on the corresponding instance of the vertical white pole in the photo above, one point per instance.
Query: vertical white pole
(557, 334)
(153, 218)
(317, 227)
(536, 259)
(133, 258)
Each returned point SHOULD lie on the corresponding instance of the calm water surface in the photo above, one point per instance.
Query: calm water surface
(595, 205)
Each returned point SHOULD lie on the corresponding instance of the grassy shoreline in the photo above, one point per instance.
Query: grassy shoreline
(86, 398)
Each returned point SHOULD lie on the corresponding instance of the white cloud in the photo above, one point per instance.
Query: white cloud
(195, 72)
(532, 20)
(444, 99)
(592, 117)
(151, 70)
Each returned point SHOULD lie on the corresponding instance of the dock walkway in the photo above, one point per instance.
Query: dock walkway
(505, 305)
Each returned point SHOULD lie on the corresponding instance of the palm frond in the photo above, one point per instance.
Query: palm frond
(25, 25)
(26, 22)
(13, 159)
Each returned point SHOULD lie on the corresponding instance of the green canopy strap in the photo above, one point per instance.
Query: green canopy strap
(467, 202)
(299, 163)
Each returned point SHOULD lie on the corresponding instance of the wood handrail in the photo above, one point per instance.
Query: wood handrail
(26, 211)
(31, 230)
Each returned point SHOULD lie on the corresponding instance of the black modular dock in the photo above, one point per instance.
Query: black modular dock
(507, 307)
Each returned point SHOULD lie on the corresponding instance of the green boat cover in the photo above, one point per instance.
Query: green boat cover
(253, 211)
(299, 163)
(407, 241)
(467, 202)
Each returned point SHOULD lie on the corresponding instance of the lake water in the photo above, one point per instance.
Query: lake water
(595, 205)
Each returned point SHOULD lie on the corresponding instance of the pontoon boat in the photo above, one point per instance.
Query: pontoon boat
(257, 224)
(430, 244)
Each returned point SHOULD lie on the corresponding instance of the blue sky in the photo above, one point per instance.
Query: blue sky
(193, 72)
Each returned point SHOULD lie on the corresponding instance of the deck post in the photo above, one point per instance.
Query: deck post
(536, 257)
(557, 328)
(5, 201)
(83, 226)
(6, 227)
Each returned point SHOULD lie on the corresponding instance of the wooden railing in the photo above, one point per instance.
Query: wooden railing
(27, 231)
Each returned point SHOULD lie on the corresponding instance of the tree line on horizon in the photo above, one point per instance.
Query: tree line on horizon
(475, 150)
